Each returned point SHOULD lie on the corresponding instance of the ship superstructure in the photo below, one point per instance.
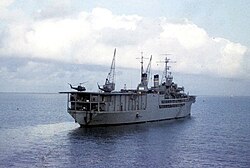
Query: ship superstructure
(163, 101)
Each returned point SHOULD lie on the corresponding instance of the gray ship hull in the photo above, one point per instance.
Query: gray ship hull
(152, 112)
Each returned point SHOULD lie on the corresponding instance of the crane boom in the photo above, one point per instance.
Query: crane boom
(109, 85)
(148, 68)
(111, 74)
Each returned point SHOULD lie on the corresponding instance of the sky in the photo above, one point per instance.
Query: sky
(44, 45)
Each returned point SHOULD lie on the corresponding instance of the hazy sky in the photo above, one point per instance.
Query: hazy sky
(46, 44)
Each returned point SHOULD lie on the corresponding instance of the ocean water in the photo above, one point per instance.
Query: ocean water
(36, 131)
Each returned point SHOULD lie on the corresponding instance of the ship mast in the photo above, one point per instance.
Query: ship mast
(141, 65)
(168, 75)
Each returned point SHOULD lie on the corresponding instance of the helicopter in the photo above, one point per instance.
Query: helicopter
(79, 87)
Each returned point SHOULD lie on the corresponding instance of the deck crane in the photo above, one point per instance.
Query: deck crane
(148, 68)
(143, 86)
(109, 85)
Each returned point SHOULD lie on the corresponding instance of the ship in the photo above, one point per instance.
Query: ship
(165, 100)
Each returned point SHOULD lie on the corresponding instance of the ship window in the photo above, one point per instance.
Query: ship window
(171, 105)
(141, 88)
(108, 99)
(94, 98)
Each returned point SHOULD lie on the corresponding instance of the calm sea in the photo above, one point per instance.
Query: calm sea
(36, 131)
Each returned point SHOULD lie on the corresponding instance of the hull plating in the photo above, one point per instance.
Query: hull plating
(130, 117)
